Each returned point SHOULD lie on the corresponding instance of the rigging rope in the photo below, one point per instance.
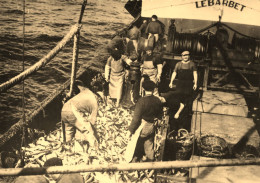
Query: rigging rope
(41, 63)
(76, 51)
(23, 143)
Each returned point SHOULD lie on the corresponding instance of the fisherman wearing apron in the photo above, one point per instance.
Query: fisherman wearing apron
(187, 75)
(115, 74)
(151, 68)
(146, 110)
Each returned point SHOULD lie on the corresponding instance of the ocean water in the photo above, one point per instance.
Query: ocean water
(46, 22)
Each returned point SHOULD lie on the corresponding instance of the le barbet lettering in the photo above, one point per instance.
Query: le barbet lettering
(231, 4)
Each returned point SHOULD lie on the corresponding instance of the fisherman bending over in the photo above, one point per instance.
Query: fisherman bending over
(146, 110)
(79, 115)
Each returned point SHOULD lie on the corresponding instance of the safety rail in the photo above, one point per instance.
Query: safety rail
(127, 166)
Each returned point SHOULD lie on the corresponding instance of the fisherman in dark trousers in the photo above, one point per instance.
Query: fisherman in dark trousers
(79, 115)
(146, 110)
(186, 71)
(176, 103)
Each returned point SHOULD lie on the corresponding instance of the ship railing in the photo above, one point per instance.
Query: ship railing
(127, 166)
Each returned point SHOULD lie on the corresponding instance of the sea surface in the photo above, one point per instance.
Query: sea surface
(46, 22)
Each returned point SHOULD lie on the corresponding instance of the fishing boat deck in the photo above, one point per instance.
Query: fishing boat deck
(226, 115)
(225, 173)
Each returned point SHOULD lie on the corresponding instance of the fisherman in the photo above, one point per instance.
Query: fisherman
(79, 115)
(154, 28)
(143, 29)
(151, 67)
(176, 103)
(118, 42)
(115, 74)
(146, 110)
(187, 75)
(133, 36)
(59, 178)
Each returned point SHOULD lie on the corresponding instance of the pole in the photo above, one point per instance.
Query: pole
(76, 52)
(127, 166)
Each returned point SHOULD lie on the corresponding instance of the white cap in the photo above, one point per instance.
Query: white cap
(185, 53)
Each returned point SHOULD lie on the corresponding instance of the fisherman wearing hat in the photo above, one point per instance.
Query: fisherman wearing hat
(187, 75)
(146, 110)
(79, 115)
(151, 67)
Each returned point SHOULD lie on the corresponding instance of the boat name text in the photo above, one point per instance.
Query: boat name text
(231, 4)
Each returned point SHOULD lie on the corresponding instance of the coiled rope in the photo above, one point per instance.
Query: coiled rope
(196, 43)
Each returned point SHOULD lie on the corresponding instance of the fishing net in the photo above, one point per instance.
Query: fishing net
(212, 146)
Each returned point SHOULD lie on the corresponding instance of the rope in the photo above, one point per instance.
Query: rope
(17, 126)
(76, 51)
(23, 142)
(41, 63)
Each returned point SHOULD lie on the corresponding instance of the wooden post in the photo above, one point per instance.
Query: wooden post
(76, 51)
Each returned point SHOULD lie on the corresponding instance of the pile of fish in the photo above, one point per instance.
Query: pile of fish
(111, 129)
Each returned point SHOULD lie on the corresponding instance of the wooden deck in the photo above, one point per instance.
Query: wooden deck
(225, 115)
(226, 174)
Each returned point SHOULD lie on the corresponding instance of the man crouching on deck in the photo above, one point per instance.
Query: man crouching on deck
(146, 110)
(79, 116)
